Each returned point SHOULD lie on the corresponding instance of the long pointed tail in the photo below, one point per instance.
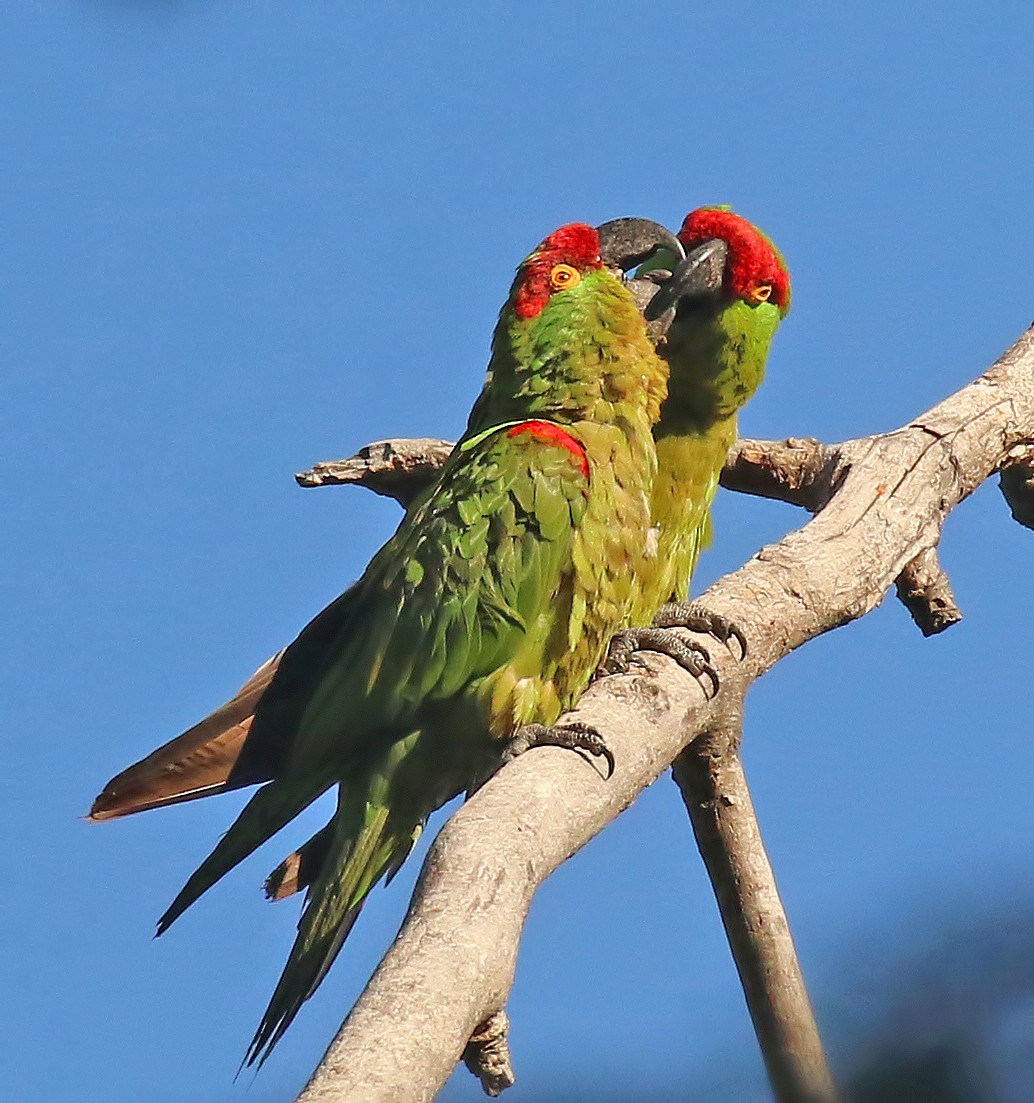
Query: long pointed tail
(366, 841)
(195, 764)
(273, 806)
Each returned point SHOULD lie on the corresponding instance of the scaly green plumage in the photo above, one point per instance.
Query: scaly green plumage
(488, 609)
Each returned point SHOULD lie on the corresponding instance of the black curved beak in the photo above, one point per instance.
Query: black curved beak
(700, 274)
(628, 242)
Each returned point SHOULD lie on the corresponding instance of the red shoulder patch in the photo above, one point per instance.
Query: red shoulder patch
(549, 433)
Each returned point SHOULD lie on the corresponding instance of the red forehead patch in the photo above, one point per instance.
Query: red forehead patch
(576, 244)
(753, 259)
(546, 432)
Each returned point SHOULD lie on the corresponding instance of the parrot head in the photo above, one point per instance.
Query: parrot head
(723, 304)
(752, 268)
(728, 261)
(573, 251)
(557, 264)
(570, 287)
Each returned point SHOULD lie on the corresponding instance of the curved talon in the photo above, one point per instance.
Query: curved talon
(574, 736)
(690, 655)
(709, 670)
(619, 655)
(697, 618)
(625, 643)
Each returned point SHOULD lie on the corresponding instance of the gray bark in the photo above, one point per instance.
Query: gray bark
(881, 503)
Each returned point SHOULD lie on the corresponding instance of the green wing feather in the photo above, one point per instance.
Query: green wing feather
(488, 609)
(390, 691)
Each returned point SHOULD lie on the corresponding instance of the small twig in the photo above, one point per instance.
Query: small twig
(1016, 482)
(710, 776)
(801, 471)
(925, 590)
(398, 469)
(487, 1055)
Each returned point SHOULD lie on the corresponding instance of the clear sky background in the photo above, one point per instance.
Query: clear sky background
(242, 237)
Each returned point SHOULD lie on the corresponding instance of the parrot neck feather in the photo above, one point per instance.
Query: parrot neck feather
(584, 357)
(717, 363)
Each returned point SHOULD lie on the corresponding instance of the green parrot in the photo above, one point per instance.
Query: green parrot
(729, 296)
(481, 620)
(200, 761)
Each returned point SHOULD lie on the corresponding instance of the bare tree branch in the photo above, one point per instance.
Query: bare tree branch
(798, 471)
(710, 777)
(802, 472)
(791, 470)
(452, 963)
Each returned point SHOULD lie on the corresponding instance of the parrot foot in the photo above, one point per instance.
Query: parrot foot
(575, 736)
(698, 618)
(690, 655)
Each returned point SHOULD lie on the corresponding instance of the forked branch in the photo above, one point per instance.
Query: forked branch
(881, 505)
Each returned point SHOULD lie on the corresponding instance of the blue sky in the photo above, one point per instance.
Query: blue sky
(239, 238)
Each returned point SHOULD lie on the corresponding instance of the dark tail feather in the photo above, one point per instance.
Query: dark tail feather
(194, 764)
(363, 843)
(299, 870)
(269, 809)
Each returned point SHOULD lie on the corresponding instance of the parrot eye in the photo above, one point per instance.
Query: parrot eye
(762, 293)
(563, 276)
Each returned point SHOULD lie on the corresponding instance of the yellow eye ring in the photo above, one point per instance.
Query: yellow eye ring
(762, 293)
(563, 276)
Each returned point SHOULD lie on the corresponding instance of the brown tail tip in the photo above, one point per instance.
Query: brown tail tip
(283, 881)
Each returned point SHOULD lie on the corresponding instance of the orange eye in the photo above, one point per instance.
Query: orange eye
(762, 293)
(563, 276)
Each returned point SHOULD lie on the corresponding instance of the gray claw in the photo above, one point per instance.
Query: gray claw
(690, 655)
(574, 736)
(697, 618)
